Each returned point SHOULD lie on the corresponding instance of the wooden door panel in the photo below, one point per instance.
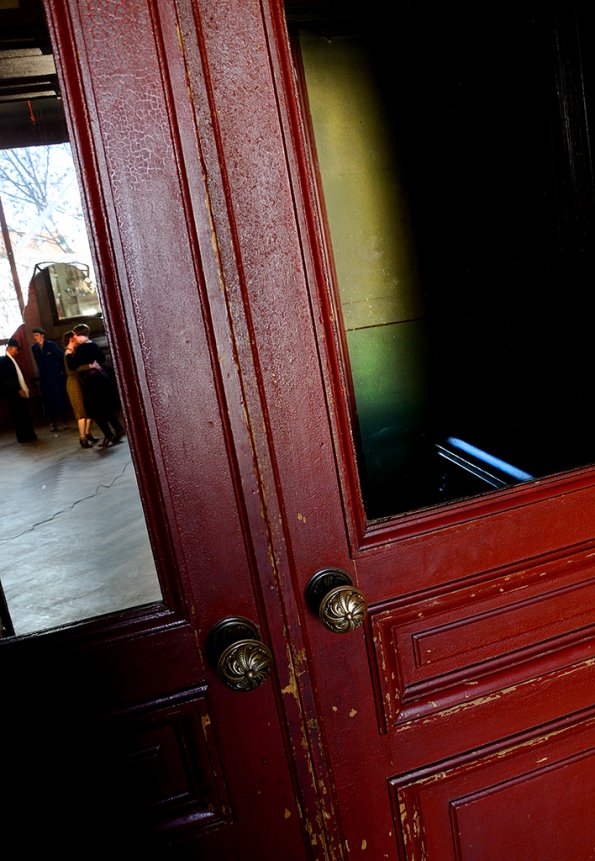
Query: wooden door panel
(164, 760)
(507, 530)
(447, 648)
(518, 801)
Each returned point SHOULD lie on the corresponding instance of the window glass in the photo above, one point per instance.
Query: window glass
(73, 539)
(461, 233)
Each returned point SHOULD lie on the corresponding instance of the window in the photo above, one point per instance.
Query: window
(456, 184)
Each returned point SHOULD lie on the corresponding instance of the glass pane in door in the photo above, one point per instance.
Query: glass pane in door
(73, 539)
(461, 230)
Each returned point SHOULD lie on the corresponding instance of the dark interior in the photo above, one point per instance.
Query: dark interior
(491, 106)
(502, 195)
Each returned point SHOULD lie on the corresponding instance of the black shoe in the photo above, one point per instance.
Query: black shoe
(85, 443)
(92, 439)
(53, 427)
(107, 440)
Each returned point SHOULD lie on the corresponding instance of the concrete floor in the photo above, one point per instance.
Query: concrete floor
(73, 540)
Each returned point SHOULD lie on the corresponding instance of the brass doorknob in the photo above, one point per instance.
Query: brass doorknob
(340, 606)
(234, 648)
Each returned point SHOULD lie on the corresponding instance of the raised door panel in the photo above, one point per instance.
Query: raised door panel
(520, 800)
(442, 650)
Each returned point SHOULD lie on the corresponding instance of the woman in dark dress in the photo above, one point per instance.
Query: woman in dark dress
(99, 396)
(75, 393)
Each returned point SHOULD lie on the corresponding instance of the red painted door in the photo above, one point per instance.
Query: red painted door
(457, 721)
(120, 736)
(459, 715)
(461, 712)
(453, 721)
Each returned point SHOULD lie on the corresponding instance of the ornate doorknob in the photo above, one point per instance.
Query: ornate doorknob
(339, 605)
(234, 648)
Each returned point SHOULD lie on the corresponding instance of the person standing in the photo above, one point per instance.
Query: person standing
(99, 396)
(75, 393)
(52, 377)
(15, 391)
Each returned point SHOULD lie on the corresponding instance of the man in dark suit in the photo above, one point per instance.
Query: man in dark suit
(14, 390)
(52, 377)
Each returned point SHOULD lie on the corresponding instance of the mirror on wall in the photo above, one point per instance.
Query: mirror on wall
(73, 539)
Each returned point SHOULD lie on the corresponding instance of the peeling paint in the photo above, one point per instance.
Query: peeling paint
(290, 688)
(287, 813)
(297, 662)
(352, 713)
(364, 844)
(206, 722)
(301, 517)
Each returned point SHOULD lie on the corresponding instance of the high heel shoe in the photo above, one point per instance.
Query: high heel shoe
(85, 443)
(107, 440)
(92, 439)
